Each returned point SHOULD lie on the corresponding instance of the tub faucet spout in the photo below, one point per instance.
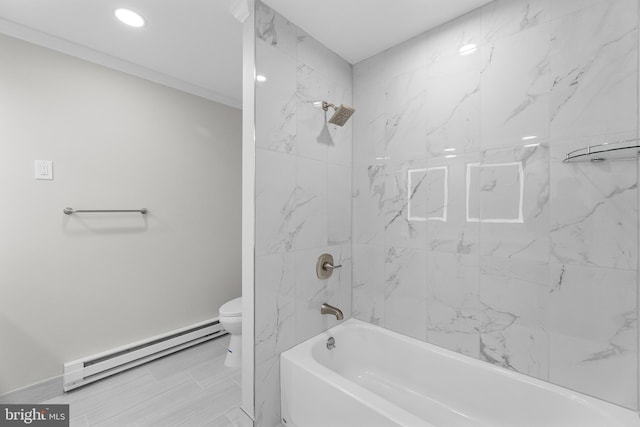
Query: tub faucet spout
(329, 309)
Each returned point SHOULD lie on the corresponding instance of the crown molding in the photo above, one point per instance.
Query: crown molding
(49, 41)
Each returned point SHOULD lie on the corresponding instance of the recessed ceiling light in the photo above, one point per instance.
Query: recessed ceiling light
(130, 18)
(260, 78)
(450, 156)
(528, 138)
(468, 49)
(448, 150)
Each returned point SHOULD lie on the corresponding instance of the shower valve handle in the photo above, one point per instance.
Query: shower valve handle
(329, 266)
(325, 267)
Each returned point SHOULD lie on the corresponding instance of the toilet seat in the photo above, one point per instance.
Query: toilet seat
(232, 308)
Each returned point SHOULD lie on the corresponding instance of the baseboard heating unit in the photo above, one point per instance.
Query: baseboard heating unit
(89, 369)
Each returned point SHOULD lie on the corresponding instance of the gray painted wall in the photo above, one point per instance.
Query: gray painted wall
(72, 286)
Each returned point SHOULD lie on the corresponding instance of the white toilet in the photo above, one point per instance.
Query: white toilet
(231, 320)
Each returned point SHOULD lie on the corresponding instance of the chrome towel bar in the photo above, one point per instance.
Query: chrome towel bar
(70, 211)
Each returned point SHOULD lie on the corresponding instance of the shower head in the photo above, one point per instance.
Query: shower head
(342, 113)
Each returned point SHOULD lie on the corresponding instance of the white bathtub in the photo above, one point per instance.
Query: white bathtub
(375, 377)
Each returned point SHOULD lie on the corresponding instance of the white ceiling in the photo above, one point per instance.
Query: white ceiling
(196, 45)
(358, 29)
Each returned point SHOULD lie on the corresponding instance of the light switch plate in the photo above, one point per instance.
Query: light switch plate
(44, 169)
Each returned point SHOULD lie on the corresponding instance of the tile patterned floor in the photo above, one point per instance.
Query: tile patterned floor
(191, 388)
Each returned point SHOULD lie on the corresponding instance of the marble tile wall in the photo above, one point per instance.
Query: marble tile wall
(468, 229)
(303, 196)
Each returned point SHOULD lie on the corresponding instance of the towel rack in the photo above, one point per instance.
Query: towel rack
(627, 149)
(70, 211)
